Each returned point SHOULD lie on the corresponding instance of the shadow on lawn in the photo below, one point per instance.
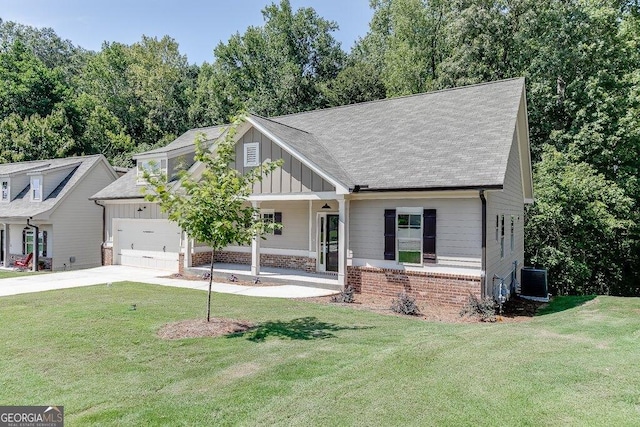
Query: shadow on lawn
(562, 303)
(304, 328)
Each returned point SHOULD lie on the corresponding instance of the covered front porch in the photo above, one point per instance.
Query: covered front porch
(311, 246)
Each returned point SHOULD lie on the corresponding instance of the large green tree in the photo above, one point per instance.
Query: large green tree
(275, 69)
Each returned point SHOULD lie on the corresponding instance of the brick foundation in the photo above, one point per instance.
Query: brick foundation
(266, 260)
(434, 288)
(107, 256)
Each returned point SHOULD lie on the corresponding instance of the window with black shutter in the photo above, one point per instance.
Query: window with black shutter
(409, 237)
(390, 234)
(277, 217)
(429, 236)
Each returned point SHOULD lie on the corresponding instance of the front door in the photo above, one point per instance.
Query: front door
(327, 242)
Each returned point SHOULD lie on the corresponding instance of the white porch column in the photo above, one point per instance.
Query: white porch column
(343, 239)
(255, 249)
(187, 244)
(5, 248)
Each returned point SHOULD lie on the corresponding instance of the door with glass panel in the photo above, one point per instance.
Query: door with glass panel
(327, 242)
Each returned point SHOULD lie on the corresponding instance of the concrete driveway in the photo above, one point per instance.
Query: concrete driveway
(119, 273)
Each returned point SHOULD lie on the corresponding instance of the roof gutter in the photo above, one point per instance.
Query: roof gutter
(104, 230)
(483, 272)
(366, 189)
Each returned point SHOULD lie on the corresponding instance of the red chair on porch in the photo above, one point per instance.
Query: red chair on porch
(24, 262)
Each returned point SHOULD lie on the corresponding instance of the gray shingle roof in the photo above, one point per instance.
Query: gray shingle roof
(188, 138)
(124, 187)
(450, 138)
(22, 206)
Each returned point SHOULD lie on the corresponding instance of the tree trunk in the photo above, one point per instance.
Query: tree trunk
(210, 283)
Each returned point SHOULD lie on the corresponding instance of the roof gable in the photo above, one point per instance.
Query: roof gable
(78, 168)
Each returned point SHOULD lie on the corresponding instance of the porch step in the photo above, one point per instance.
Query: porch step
(270, 275)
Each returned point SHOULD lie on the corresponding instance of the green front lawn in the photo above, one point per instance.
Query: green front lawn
(4, 274)
(312, 364)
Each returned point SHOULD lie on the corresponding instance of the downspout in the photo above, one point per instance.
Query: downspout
(104, 230)
(483, 272)
(36, 243)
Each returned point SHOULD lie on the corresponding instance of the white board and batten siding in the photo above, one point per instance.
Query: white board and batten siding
(510, 203)
(458, 230)
(291, 177)
(77, 224)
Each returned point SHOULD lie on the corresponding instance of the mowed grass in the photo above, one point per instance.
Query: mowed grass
(312, 364)
(4, 274)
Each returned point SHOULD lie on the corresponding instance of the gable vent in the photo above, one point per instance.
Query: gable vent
(252, 154)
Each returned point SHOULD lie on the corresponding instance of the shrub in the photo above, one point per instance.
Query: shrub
(484, 309)
(405, 304)
(346, 295)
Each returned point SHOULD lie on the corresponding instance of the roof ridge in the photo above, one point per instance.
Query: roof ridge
(281, 124)
(414, 95)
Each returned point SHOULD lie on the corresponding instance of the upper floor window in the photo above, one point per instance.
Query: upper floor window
(251, 154)
(5, 190)
(153, 167)
(36, 188)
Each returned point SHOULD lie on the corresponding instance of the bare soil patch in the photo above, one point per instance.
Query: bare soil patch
(200, 328)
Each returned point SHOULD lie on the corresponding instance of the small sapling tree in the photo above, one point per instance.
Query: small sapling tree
(212, 206)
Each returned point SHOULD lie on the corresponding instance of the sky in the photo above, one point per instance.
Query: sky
(197, 26)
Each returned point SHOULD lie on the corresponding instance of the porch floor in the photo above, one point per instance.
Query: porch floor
(222, 272)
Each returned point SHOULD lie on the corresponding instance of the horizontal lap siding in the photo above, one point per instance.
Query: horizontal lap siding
(291, 177)
(458, 226)
(295, 226)
(77, 223)
(509, 201)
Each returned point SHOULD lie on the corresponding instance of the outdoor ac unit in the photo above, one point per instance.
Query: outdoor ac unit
(534, 282)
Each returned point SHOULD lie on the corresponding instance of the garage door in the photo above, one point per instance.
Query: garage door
(147, 243)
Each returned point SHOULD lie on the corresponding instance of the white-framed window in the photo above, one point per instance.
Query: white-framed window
(409, 235)
(502, 236)
(251, 154)
(36, 188)
(155, 167)
(27, 242)
(512, 235)
(6, 190)
(268, 216)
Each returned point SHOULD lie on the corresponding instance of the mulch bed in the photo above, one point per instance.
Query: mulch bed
(200, 328)
(515, 310)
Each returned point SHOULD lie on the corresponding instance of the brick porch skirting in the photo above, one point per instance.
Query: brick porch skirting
(266, 260)
(107, 256)
(434, 288)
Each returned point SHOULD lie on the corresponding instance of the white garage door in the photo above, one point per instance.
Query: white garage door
(147, 243)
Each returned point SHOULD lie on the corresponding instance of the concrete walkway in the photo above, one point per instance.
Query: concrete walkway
(119, 273)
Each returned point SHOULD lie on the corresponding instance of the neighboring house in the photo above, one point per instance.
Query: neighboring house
(423, 193)
(45, 210)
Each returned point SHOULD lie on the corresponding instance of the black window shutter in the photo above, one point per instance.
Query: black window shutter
(429, 235)
(44, 243)
(24, 242)
(390, 234)
(277, 218)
